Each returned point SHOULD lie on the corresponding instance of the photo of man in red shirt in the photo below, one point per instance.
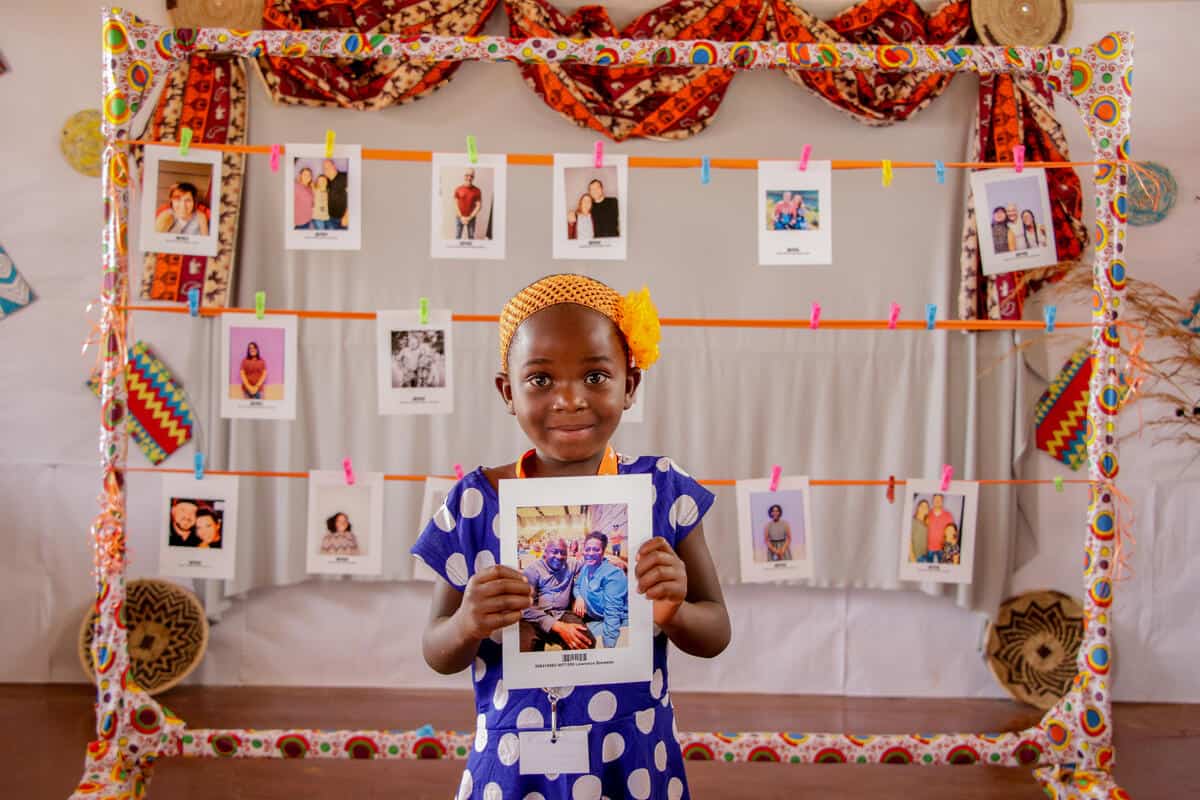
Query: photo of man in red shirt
(468, 199)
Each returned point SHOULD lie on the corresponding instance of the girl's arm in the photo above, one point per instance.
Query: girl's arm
(459, 621)
(688, 604)
(245, 382)
(788, 541)
(261, 381)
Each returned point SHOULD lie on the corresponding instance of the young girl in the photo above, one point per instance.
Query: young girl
(777, 534)
(951, 550)
(571, 355)
(320, 204)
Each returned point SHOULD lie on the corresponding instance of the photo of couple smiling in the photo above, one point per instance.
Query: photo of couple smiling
(575, 558)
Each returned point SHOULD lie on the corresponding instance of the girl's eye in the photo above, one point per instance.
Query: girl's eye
(596, 378)
(540, 381)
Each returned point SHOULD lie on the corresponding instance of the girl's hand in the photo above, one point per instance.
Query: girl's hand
(580, 608)
(662, 577)
(493, 599)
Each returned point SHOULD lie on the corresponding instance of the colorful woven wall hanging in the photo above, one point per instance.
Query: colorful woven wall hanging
(160, 418)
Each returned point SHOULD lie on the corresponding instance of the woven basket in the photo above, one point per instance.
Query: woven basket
(1032, 23)
(167, 634)
(1032, 646)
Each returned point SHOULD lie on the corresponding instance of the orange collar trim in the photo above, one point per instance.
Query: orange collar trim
(608, 464)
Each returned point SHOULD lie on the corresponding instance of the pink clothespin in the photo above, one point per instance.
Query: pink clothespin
(893, 316)
(274, 158)
(1019, 158)
(775, 473)
(348, 468)
(814, 319)
(599, 159)
(805, 152)
(891, 490)
(458, 472)
(947, 476)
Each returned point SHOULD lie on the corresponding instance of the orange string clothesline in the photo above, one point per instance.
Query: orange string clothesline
(651, 162)
(249, 473)
(681, 322)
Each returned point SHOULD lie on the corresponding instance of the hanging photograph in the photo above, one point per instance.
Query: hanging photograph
(345, 523)
(181, 201)
(937, 540)
(323, 197)
(794, 213)
(468, 206)
(436, 492)
(259, 362)
(575, 539)
(591, 216)
(414, 364)
(774, 529)
(1012, 212)
(199, 527)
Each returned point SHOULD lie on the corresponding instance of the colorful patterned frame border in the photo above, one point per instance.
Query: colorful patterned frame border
(1070, 749)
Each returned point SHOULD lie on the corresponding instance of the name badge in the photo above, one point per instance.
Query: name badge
(567, 756)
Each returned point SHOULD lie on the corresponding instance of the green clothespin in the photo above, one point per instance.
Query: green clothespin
(472, 152)
(424, 312)
(260, 304)
(185, 141)
(1058, 484)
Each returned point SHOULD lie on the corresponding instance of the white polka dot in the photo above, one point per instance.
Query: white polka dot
(613, 747)
(564, 691)
(480, 733)
(639, 783)
(551, 776)
(624, 459)
(684, 511)
(530, 717)
(480, 669)
(653, 494)
(675, 789)
(499, 696)
(678, 469)
(483, 560)
(492, 792)
(645, 720)
(496, 526)
(509, 749)
(656, 684)
(471, 503)
(456, 569)
(666, 701)
(660, 756)
(602, 706)
(534, 796)
(586, 788)
(443, 519)
(663, 464)
(466, 785)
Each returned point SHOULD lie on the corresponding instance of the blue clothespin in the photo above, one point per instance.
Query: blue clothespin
(198, 458)
(705, 170)
(425, 730)
(930, 316)
(1050, 313)
(940, 166)
(194, 301)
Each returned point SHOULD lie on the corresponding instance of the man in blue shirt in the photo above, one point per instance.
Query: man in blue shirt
(550, 621)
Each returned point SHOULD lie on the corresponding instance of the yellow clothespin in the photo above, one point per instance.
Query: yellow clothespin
(329, 140)
(886, 175)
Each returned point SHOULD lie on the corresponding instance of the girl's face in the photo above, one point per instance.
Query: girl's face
(593, 552)
(252, 350)
(306, 176)
(999, 216)
(585, 204)
(951, 534)
(182, 205)
(206, 529)
(922, 510)
(776, 514)
(567, 383)
(1027, 218)
(341, 524)
(322, 181)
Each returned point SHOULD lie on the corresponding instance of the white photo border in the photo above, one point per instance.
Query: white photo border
(491, 249)
(191, 562)
(349, 239)
(795, 248)
(607, 249)
(179, 244)
(236, 408)
(994, 263)
(423, 400)
(964, 571)
(369, 564)
(755, 572)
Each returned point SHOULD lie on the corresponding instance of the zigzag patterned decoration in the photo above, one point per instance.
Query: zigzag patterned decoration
(1061, 413)
(15, 293)
(160, 419)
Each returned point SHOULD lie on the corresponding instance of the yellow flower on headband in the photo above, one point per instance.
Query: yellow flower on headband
(639, 323)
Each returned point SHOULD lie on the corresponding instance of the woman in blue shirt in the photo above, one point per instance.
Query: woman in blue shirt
(601, 592)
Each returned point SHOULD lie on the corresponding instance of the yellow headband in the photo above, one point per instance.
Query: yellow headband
(634, 315)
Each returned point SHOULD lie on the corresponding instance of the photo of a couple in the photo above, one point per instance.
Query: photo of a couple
(795, 210)
(195, 523)
(575, 558)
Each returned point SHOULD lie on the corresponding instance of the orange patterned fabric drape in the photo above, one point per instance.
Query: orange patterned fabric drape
(661, 102)
(373, 83)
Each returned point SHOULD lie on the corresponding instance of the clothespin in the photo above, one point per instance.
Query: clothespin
(940, 166)
(194, 301)
(472, 153)
(891, 490)
(329, 140)
(260, 304)
(275, 158)
(1019, 158)
(423, 311)
(458, 472)
(893, 316)
(814, 318)
(886, 172)
(705, 171)
(775, 473)
(1058, 483)
(348, 468)
(1050, 313)
(599, 155)
(947, 476)
(930, 316)
(185, 141)
(805, 152)
(198, 462)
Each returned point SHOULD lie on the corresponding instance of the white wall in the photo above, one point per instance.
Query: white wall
(832, 641)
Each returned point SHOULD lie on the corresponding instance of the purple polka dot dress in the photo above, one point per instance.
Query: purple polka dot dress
(631, 726)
